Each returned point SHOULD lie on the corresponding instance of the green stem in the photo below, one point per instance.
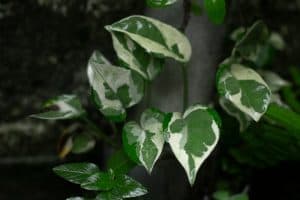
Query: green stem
(284, 117)
(98, 133)
(185, 86)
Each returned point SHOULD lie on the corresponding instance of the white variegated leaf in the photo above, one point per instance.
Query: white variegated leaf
(193, 137)
(274, 81)
(113, 88)
(243, 119)
(243, 87)
(155, 37)
(65, 107)
(135, 57)
(144, 143)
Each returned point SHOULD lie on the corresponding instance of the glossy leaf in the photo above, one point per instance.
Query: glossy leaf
(274, 81)
(144, 143)
(64, 107)
(76, 172)
(155, 37)
(243, 119)
(99, 181)
(193, 136)
(244, 88)
(135, 57)
(216, 10)
(160, 3)
(113, 88)
(82, 143)
(119, 162)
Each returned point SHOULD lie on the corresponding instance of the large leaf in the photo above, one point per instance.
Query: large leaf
(216, 10)
(65, 107)
(192, 137)
(244, 88)
(76, 172)
(135, 57)
(144, 143)
(155, 37)
(160, 3)
(243, 119)
(119, 162)
(113, 88)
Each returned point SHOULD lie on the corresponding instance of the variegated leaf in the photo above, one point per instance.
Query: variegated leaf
(144, 143)
(274, 81)
(243, 119)
(113, 88)
(155, 37)
(133, 56)
(64, 107)
(193, 137)
(244, 88)
(160, 3)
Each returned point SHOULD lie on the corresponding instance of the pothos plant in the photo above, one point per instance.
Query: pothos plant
(142, 44)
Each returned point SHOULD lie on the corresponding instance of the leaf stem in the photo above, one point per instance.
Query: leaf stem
(186, 15)
(185, 86)
(98, 133)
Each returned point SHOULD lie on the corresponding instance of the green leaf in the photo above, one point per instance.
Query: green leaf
(76, 172)
(193, 136)
(252, 42)
(155, 37)
(237, 34)
(133, 56)
(144, 143)
(244, 88)
(113, 88)
(160, 3)
(66, 107)
(107, 196)
(274, 81)
(225, 195)
(216, 10)
(126, 187)
(82, 143)
(99, 181)
(276, 41)
(243, 119)
(119, 162)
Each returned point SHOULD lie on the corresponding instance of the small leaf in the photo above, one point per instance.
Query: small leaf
(155, 37)
(119, 162)
(82, 143)
(160, 3)
(216, 10)
(243, 119)
(68, 107)
(244, 88)
(274, 81)
(76, 172)
(193, 137)
(238, 34)
(276, 41)
(252, 42)
(144, 143)
(113, 88)
(135, 57)
(99, 181)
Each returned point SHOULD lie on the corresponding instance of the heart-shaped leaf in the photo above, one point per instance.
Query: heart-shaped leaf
(155, 37)
(65, 107)
(243, 119)
(160, 3)
(144, 143)
(113, 88)
(76, 172)
(133, 56)
(216, 10)
(243, 87)
(193, 136)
